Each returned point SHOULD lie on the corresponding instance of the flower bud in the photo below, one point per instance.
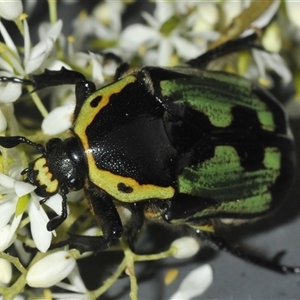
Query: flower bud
(50, 270)
(185, 247)
(11, 10)
(5, 271)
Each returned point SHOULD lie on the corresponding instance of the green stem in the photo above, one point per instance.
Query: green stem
(110, 281)
(130, 259)
(37, 101)
(52, 4)
(156, 256)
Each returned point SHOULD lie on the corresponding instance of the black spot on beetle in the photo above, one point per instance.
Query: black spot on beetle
(95, 101)
(122, 187)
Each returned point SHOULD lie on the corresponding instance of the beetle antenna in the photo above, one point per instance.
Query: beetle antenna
(13, 141)
(17, 80)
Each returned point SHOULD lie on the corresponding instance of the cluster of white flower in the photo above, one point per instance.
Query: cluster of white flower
(175, 32)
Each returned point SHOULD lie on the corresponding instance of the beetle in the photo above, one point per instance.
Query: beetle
(182, 145)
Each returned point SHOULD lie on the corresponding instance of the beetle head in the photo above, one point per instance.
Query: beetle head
(59, 169)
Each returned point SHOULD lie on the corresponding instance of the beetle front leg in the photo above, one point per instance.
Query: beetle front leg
(84, 87)
(107, 217)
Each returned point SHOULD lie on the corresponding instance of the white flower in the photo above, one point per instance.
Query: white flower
(185, 247)
(271, 61)
(51, 269)
(33, 58)
(18, 196)
(11, 191)
(194, 284)
(64, 114)
(11, 10)
(76, 286)
(293, 12)
(5, 271)
(232, 9)
(137, 36)
(104, 23)
(7, 237)
(205, 17)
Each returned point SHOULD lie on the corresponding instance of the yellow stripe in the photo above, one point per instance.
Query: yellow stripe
(104, 179)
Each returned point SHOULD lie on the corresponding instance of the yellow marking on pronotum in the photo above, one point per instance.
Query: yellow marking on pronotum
(88, 112)
(109, 182)
(44, 176)
(104, 179)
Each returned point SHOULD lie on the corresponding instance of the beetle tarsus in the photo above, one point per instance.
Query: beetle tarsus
(56, 221)
(273, 264)
(17, 80)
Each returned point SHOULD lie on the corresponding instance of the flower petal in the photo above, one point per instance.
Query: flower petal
(3, 123)
(55, 30)
(54, 203)
(10, 233)
(136, 35)
(184, 48)
(194, 284)
(7, 209)
(6, 181)
(27, 43)
(50, 269)
(10, 92)
(163, 11)
(11, 10)
(76, 281)
(7, 39)
(266, 17)
(38, 226)
(64, 114)
(165, 50)
(97, 75)
(38, 54)
(5, 237)
(23, 188)
(293, 11)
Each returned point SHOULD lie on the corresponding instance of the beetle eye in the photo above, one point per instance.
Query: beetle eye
(75, 184)
(53, 142)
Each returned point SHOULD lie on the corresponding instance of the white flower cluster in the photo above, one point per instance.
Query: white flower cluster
(175, 32)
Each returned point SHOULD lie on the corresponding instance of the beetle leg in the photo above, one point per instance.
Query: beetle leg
(84, 87)
(56, 221)
(50, 78)
(133, 227)
(232, 46)
(108, 218)
(273, 264)
(122, 66)
(121, 71)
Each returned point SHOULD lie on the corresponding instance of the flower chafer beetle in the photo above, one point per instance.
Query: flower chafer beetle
(182, 145)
